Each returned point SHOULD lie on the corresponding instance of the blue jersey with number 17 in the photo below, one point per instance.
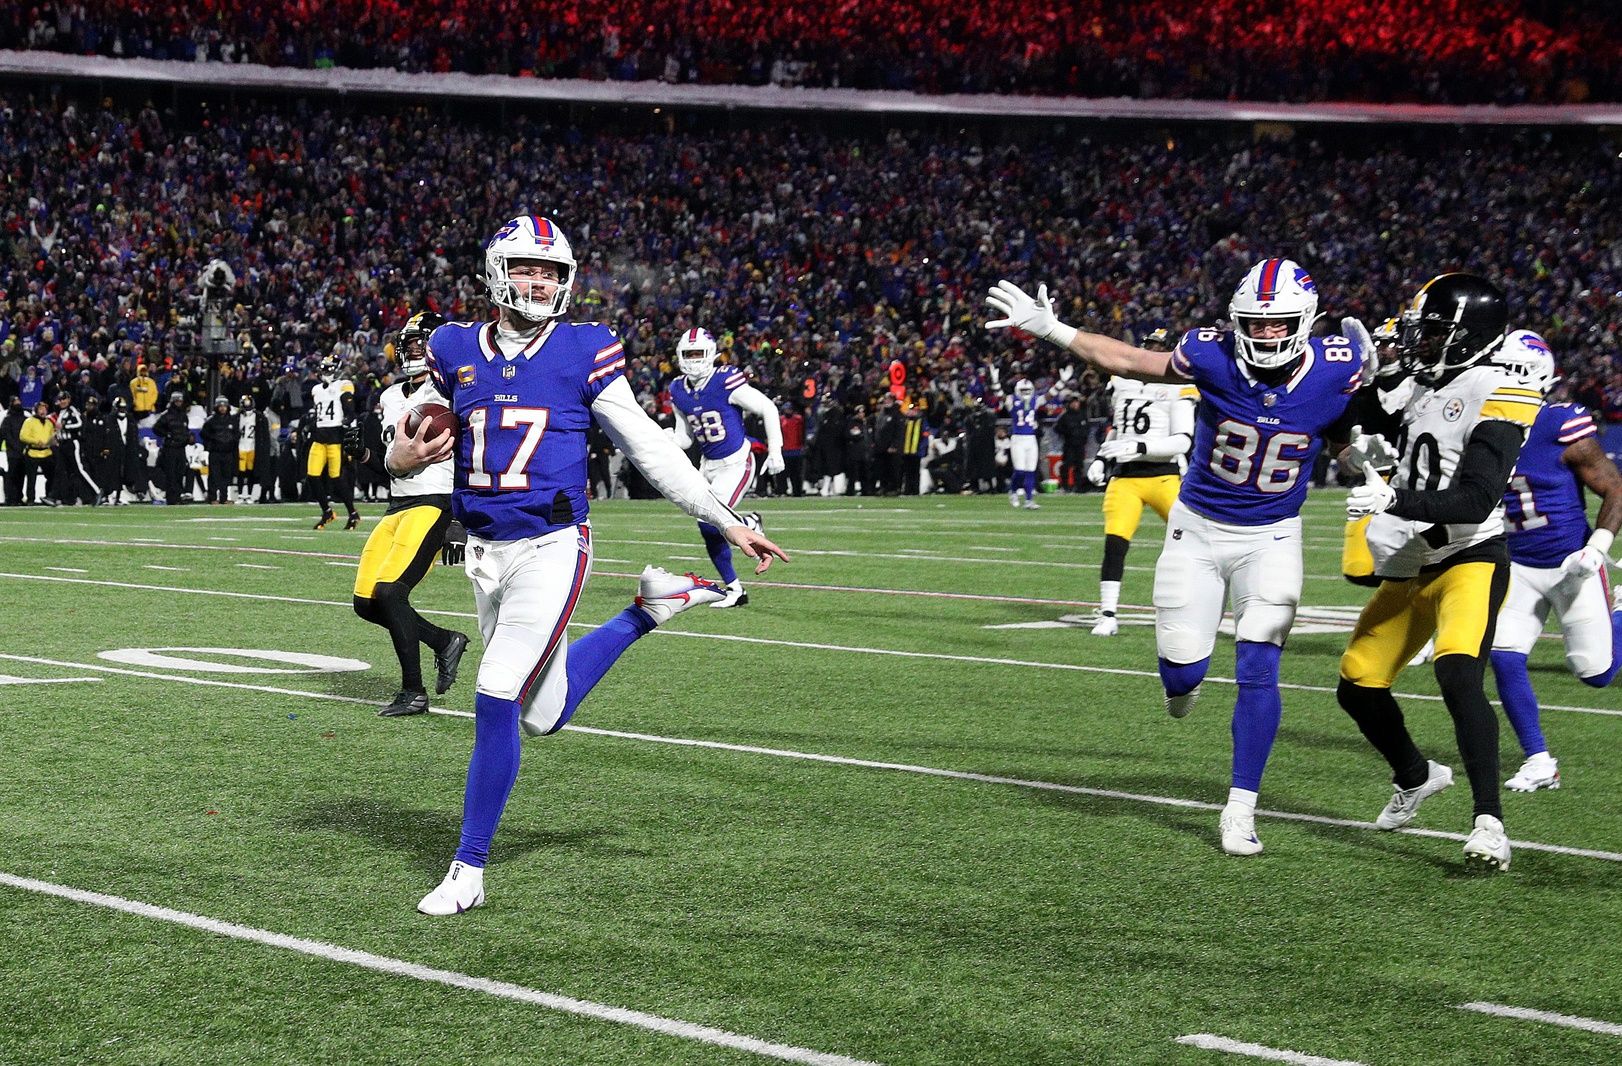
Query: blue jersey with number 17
(521, 455)
(1255, 444)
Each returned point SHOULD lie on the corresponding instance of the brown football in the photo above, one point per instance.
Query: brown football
(440, 419)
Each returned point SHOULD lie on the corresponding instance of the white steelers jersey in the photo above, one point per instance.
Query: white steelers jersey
(327, 400)
(1436, 426)
(434, 480)
(1146, 412)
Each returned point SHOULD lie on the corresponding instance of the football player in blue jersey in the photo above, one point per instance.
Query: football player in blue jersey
(711, 404)
(1269, 394)
(525, 389)
(1024, 432)
(1556, 562)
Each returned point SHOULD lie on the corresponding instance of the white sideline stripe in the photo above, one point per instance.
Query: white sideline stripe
(1211, 1042)
(703, 1034)
(1526, 1014)
(935, 655)
(841, 760)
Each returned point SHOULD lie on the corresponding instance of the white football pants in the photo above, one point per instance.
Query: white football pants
(1584, 614)
(1206, 563)
(1022, 452)
(731, 477)
(525, 591)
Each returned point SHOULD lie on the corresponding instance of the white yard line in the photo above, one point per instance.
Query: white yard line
(1212, 1042)
(736, 638)
(837, 760)
(1526, 1014)
(365, 960)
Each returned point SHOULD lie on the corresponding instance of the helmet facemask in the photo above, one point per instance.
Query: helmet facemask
(1276, 292)
(529, 239)
(695, 355)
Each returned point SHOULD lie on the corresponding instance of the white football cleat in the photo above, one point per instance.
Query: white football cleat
(735, 596)
(1540, 771)
(1106, 626)
(1032, 505)
(1238, 828)
(1179, 706)
(462, 890)
(1013, 500)
(664, 595)
(1487, 849)
(1405, 801)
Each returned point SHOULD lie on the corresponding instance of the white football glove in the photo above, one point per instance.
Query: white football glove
(1095, 472)
(774, 463)
(1355, 331)
(1067, 373)
(1374, 496)
(1019, 311)
(1366, 450)
(1581, 565)
(1121, 449)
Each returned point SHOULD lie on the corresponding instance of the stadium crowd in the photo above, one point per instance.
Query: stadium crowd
(1454, 51)
(845, 273)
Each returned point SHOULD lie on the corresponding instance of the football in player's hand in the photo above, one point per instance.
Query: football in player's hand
(439, 417)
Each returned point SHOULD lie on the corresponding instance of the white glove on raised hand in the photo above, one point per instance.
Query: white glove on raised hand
(774, 463)
(1366, 450)
(1374, 496)
(1095, 472)
(1121, 449)
(1019, 311)
(1068, 373)
(1355, 331)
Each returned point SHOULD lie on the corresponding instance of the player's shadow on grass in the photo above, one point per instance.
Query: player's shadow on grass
(426, 835)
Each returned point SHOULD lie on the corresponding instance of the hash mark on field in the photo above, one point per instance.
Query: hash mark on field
(1526, 1014)
(173, 569)
(836, 760)
(67, 569)
(703, 1034)
(1211, 1042)
(261, 566)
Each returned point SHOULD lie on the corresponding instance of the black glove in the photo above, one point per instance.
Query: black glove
(352, 443)
(454, 550)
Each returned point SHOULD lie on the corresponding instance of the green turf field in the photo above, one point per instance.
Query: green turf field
(1058, 896)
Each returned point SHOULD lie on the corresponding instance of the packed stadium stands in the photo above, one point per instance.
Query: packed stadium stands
(1454, 51)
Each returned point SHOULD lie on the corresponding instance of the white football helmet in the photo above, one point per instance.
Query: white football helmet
(1024, 389)
(528, 237)
(1275, 291)
(1529, 357)
(695, 354)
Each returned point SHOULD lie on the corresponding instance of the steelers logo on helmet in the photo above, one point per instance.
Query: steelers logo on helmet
(695, 354)
(1273, 310)
(1529, 357)
(530, 241)
(411, 347)
(1454, 321)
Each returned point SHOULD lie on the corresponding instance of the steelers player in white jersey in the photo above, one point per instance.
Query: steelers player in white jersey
(1437, 538)
(332, 411)
(1151, 430)
(401, 549)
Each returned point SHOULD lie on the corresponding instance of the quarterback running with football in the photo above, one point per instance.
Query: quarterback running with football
(525, 390)
(1269, 392)
(1151, 430)
(401, 549)
(1437, 538)
(1557, 563)
(711, 404)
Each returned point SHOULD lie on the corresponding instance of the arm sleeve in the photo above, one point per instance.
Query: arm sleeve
(657, 456)
(684, 436)
(755, 402)
(1484, 471)
(1180, 435)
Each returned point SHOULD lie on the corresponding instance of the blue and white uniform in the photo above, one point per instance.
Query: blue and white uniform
(1547, 521)
(1236, 527)
(1024, 429)
(711, 418)
(524, 403)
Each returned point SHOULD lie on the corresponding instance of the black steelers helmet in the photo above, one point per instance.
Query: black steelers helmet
(1453, 322)
(411, 348)
(1159, 340)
